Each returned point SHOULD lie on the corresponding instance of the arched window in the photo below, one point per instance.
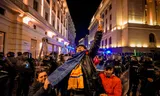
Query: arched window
(151, 38)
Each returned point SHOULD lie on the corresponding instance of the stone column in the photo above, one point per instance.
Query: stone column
(151, 12)
(158, 11)
(50, 18)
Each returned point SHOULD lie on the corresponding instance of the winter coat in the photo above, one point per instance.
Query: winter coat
(112, 85)
(92, 84)
(37, 89)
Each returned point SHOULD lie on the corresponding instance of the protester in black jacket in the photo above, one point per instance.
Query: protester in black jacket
(41, 86)
(82, 79)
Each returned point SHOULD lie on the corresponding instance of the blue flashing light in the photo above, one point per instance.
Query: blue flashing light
(108, 52)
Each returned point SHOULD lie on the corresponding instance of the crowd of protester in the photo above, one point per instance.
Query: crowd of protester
(28, 77)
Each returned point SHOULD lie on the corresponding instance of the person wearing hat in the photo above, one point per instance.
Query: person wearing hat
(111, 83)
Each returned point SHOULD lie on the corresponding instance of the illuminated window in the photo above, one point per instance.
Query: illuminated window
(2, 11)
(152, 38)
(35, 5)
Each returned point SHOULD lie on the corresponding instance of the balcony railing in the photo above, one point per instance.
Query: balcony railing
(152, 44)
(20, 4)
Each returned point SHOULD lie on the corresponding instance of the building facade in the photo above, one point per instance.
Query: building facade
(71, 35)
(129, 25)
(23, 24)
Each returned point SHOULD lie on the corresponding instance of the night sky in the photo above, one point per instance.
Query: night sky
(81, 12)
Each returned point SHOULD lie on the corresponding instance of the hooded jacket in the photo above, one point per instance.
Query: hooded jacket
(111, 85)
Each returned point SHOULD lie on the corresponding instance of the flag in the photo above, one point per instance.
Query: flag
(65, 68)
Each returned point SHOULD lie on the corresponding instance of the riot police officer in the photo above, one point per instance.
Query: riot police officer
(134, 76)
(146, 75)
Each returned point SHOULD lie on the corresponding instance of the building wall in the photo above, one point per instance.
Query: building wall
(128, 23)
(140, 36)
(71, 35)
(92, 32)
(24, 27)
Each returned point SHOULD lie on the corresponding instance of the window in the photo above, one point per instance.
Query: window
(106, 41)
(145, 2)
(106, 11)
(151, 38)
(106, 21)
(110, 6)
(61, 18)
(2, 35)
(62, 30)
(110, 27)
(57, 25)
(102, 15)
(53, 6)
(46, 16)
(110, 17)
(110, 41)
(33, 48)
(58, 14)
(64, 22)
(35, 5)
(102, 43)
(45, 33)
(156, 2)
(48, 1)
(106, 28)
(34, 26)
(145, 12)
(2, 11)
(53, 23)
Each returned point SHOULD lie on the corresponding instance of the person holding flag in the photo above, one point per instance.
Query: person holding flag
(78, 76)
